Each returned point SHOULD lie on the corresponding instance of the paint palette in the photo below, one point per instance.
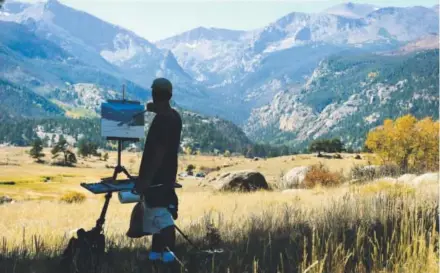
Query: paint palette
(109, 186)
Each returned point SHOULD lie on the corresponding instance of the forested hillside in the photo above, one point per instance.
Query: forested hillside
(199, 133)
(19, 102)
(348, 95)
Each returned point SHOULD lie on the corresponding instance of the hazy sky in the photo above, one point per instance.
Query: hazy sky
(155, 20)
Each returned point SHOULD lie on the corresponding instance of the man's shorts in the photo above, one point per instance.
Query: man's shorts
(156, 219)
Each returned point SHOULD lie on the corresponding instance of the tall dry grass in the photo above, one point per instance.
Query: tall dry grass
(363, 231)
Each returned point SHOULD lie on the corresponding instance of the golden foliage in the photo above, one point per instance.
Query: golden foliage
(320, 175)
(408, 142)
(73, 197)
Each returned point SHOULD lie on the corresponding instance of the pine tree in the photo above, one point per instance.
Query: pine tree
(36, 150)
(87, 148)
(62, 146)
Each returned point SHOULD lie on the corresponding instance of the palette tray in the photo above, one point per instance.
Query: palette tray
(110, 185)
(106, 186)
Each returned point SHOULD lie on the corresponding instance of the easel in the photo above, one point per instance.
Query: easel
(88, 248)
(118, 169)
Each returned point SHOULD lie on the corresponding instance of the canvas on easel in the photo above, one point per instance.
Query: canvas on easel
(119, 120)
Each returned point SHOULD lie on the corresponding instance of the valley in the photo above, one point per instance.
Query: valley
(268, 81)
(309, 144)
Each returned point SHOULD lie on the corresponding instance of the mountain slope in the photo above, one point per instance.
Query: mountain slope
(427, 42)
(246, 69)
(348, 95)
(210, 55)
(94, 40)
(100, 51)
(18, 102)
(23, 54)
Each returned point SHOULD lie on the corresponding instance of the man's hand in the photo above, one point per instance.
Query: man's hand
(151, 107)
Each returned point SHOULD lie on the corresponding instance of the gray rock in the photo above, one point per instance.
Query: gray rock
(294, 178)
(5, 200)
(406, 178)
(248, 180)
(427, 177)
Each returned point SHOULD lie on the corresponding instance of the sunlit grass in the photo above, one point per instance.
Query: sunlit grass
(355, 232)
(371, 227)
(388, 188)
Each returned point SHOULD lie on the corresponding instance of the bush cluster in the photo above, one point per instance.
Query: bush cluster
(73, 198)
(321, 175)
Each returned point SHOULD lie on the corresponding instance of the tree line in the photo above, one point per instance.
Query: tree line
(62, 149)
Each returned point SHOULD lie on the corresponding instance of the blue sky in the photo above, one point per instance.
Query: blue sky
(155, 20)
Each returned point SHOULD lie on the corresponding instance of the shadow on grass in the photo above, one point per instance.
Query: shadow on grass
(338, 242)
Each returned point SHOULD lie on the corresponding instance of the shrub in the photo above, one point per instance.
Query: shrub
(392, 170)
(372, 172)
(363, 173)
(190, 168)
(320, 175)
(337, 156)
(358, 157)
(208, 170)
(73, 197)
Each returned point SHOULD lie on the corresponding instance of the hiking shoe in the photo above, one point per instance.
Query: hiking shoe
(168, 257)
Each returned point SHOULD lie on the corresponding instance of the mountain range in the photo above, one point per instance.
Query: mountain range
(260, 79)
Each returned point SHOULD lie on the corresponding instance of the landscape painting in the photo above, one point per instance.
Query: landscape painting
(122, 119)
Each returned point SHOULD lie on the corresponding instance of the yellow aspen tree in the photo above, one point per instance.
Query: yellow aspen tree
(407, 142)
(426, 156)
(404, 138)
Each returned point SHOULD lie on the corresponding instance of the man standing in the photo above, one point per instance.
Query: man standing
(157, 173)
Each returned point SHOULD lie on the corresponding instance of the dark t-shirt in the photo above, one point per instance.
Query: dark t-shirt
(165, 131)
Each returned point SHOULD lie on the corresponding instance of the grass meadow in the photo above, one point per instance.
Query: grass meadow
(370, 227)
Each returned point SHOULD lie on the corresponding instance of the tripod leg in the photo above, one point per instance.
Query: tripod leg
(126, 173)
(115, 173)
(101, 220)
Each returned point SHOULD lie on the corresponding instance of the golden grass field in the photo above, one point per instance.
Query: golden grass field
(38, 213)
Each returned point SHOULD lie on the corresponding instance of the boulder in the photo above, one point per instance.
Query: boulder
(406, 178)
(294, 178)
(427, 177)
(5, 199)
(248, 180)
